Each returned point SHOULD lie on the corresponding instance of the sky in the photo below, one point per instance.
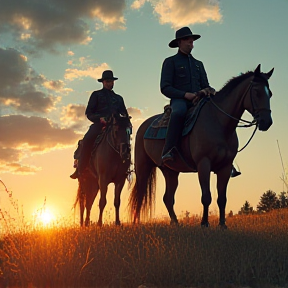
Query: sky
(52, 53)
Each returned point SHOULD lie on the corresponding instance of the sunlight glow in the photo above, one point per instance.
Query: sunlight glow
(43, 217)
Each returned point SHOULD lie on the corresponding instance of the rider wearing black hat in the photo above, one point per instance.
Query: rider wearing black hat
(182, 77)
(101, 105)
(183, 80)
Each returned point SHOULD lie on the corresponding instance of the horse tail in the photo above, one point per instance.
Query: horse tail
(80, 201)
(78, 196)
(142, 196)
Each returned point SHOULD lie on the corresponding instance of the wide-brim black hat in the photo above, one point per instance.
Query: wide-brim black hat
(107, 75)
(182, 33)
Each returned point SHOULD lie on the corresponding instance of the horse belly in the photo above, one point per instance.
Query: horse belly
(154, 149)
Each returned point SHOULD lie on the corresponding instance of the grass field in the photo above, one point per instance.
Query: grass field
(253, 252)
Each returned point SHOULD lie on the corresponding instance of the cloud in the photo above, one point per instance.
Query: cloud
(22, 136)
(135, 112)
(94, 72)
(21, 87)
(45, 24)
(17, 168)
(138, 117)
(180, 13)
(73, 116)
(138, 4)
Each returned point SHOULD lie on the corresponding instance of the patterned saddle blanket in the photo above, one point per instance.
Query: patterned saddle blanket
(158, 128)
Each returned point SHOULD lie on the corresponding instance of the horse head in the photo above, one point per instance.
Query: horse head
(121, 129)
(259, 103)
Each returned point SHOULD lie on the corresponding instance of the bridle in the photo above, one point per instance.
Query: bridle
(255, 112)
(123, 149)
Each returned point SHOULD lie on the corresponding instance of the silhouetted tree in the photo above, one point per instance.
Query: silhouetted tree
(246, 209)
(283, 200)
(268, 202)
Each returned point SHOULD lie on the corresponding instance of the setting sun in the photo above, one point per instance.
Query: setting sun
(43, 217)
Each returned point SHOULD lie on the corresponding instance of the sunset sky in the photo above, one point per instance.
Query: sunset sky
(52, 53)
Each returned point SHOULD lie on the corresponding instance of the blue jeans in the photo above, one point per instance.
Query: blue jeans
(176, 123)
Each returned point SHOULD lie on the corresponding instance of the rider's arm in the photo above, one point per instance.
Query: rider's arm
(167, 80)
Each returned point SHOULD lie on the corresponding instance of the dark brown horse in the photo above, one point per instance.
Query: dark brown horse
(110, 163)
(210, 146)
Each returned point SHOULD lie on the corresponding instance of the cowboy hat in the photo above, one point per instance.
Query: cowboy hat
(107, 75)
(182, 33)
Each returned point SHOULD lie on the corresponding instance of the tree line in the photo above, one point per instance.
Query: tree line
(268, 201)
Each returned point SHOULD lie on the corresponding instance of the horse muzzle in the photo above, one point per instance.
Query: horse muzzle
(264, 120)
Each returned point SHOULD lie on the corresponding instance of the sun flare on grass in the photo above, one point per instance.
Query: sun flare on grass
(43, 217)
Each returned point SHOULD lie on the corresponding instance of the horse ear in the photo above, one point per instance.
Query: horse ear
(270, 73)
(257, 70)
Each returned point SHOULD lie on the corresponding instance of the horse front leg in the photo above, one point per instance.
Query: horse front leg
(171, 180)
(117, 200)
(204, 169)
(223, 177)
(102, 201)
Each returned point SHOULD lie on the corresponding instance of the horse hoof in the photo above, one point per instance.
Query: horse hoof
(99, 224)
(223, 226)
(117, 223)
(205, 224)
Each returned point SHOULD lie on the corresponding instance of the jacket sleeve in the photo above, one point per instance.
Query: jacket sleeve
(122, 107)
(90, 110)
(167, 79)
(203, 76)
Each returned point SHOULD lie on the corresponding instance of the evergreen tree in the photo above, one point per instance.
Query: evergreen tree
(283, 200)
(246, 209)
(268, 202)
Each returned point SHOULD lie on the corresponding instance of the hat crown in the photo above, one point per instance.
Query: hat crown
(107, 75)
(183, 32)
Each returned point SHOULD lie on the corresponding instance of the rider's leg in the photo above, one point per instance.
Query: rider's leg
(175, 127)
(87, 146)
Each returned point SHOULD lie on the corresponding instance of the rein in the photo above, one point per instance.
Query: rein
(249, 123)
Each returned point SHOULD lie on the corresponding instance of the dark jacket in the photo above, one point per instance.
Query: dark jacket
(103, 103)
(182, 73)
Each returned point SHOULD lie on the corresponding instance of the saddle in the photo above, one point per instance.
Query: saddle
(158, 128)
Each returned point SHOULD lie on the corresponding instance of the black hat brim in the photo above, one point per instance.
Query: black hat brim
(101, 80)
(174, 43)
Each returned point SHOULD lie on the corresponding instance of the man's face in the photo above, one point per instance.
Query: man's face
(108, 84)
(186, 45)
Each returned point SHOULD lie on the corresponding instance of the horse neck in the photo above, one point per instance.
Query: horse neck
(232, 104)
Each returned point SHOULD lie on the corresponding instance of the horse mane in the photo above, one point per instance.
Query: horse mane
(235, 81)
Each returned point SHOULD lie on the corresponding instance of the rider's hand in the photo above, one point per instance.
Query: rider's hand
(190, 96)
(211, 90)
(208, 91)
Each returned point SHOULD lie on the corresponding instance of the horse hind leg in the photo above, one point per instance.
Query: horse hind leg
(223, 177)
(90, 197)
(171, 180)
(80, 200)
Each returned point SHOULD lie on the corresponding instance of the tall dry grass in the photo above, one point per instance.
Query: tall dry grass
(253, 252)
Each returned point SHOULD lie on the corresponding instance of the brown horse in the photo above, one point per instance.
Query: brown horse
(210, 146)
(109, 163)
